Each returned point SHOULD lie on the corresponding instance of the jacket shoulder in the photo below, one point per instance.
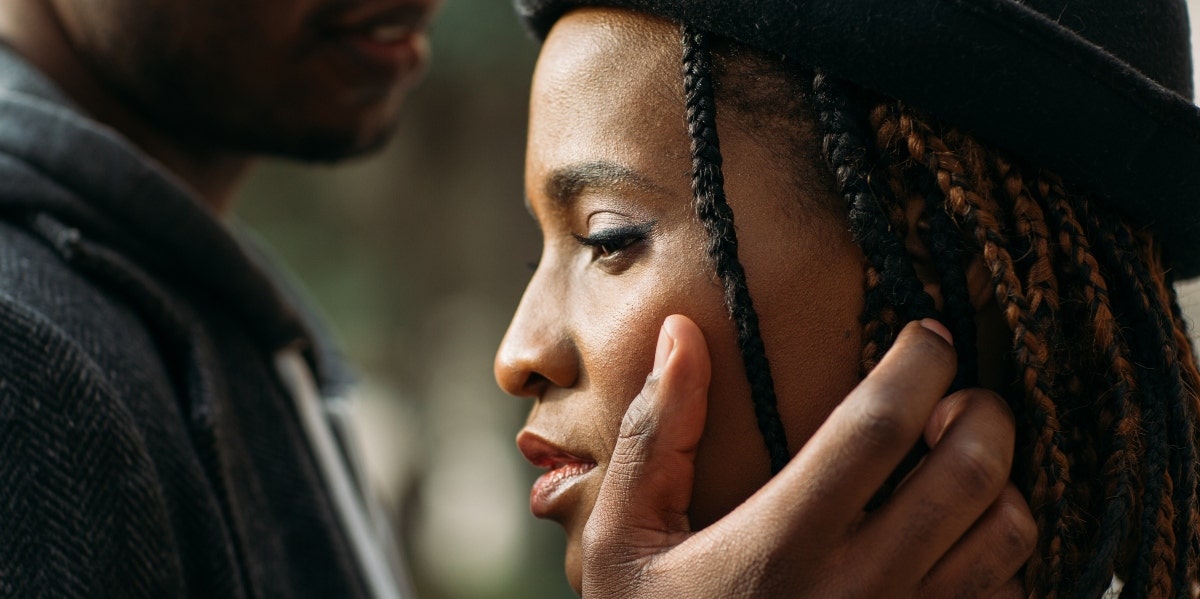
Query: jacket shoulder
(85, 515)
(43, 298)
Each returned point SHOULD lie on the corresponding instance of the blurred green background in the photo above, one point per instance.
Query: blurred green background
(418, 257)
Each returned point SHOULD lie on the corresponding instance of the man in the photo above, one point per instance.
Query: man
(155, 441)
(162, 431)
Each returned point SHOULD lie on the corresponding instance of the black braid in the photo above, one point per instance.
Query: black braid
(1180, 430)
(1118, 261)
(1192, 539)
(1102, 378)
(949, 260)
(1176, 310)
(708, 188)
(845, 149)
(1114, 524)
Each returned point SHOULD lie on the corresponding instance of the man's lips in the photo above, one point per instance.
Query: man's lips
(547, 497)
(387, 18)
(384, 33)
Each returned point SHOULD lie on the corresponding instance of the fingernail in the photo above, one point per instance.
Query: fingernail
(666, 344)
(939, 328)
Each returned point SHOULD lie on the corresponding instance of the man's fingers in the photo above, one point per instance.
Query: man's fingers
(984, 562)
(1013, 589)
(648, 485)
(972, 435)
(820, 494)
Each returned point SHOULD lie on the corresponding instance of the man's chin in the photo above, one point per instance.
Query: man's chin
(304, 142)
(326, 146)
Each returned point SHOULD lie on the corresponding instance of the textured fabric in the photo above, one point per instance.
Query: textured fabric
(147, 446)
(1099, 91)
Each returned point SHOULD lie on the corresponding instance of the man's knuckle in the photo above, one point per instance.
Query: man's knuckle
(1018, 531)
(985, 399)
(981, 469)
(936, 352)
(638, 420)
(881, 424)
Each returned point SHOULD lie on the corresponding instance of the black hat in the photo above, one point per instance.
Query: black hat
(1098, 90)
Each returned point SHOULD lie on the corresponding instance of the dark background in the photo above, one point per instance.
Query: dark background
(418, 257)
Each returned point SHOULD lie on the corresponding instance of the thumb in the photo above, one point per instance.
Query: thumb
(641, 509)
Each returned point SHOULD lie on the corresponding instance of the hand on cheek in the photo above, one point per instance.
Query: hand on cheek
(955, 527)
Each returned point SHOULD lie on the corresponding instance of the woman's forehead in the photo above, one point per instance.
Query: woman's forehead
(608, 87)
(600, 47)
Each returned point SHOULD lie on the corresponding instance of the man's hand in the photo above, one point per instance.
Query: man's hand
(955, 527)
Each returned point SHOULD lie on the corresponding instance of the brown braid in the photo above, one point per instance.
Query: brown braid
(1190, 533)
(1086, 468)
(1102, 375)
(1178, 353)
(1118, 411)
(1047, 480)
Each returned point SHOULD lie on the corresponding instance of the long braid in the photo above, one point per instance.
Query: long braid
(1147, 576)
(1112, 529)
(1180, 431)
(949, 260)
(1187, 360)
(708, 188)
(947, 249)
(1035, 260)
(1176, 355)
(1193, 376)
(1104, 379)
(1183, 341)
(892, 282)
(1050, 471)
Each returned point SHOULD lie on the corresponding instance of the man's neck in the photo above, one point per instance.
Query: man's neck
(34, 31)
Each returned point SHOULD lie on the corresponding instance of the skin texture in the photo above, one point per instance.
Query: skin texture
(954, 528)
(582, 340)
(204, 85)
(608, 151)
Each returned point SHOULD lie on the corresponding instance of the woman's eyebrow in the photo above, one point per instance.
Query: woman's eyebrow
(567, 182)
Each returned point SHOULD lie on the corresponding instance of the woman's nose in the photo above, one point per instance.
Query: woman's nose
(537, 352)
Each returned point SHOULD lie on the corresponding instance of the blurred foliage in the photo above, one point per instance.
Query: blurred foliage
(417, 256)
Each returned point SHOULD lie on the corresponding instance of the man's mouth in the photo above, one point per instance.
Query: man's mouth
(402, 15)
(388, 36)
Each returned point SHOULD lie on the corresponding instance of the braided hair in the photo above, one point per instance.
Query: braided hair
(708, 189)
(1104, 376)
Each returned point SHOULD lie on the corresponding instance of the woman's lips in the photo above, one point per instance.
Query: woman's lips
(551, 486)
(550, 493)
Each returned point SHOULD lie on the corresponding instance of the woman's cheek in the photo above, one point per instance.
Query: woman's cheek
(621, 328)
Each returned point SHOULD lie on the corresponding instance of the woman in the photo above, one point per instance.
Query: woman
(856, 213)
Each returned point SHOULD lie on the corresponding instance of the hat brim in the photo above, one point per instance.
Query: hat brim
(994, 67)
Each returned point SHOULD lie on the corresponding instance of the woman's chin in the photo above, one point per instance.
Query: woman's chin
(574, 564)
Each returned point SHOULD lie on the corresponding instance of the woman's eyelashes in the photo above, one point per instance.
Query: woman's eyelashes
(615, 242)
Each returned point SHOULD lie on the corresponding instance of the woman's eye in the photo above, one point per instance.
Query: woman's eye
(609, 242)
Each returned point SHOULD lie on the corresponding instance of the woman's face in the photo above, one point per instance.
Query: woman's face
(608, 181)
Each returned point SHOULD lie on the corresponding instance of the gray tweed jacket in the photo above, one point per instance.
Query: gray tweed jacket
(148, 447)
